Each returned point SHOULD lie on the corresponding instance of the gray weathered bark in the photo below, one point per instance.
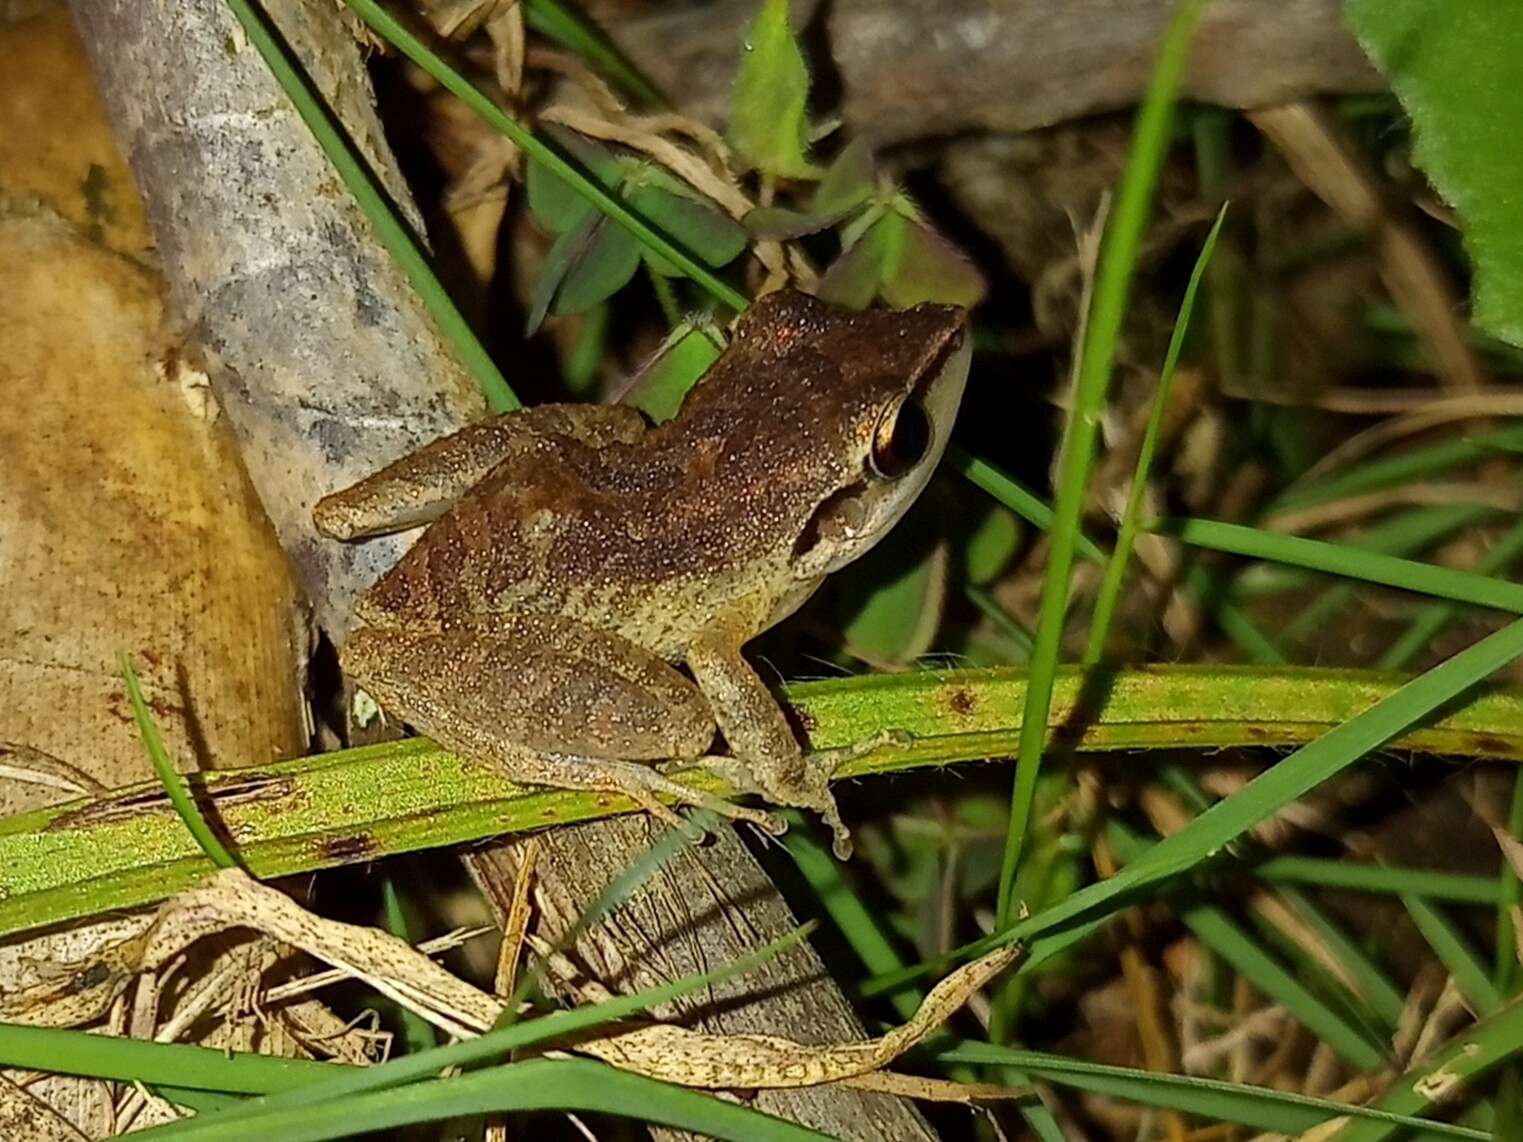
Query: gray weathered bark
(328, 367)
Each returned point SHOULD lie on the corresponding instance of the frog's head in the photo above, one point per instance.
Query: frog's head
(900, 383)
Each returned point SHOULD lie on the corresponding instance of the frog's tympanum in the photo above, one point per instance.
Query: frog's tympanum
(575, 554)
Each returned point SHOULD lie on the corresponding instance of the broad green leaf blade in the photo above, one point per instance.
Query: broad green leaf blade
(1457, 69)
(685, 357)
(990, 544)
(929, 268)
(558, 262)
(769, 123)
(892, 600)
(551, 199)
(780, 222)
(599, 268)
(709, 234)
(848, 183)
(853, 279)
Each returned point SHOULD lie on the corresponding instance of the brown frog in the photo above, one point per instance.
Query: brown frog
(575, 553)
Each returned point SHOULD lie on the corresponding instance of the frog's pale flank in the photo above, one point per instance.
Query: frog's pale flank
(574, 554)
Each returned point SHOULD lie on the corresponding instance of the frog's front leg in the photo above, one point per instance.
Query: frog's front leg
(546, 701)
(423, 485)
(767, 755)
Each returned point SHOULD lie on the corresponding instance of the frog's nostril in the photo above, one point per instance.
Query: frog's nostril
(900, 441)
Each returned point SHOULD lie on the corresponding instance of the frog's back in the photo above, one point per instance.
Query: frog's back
(647, 539)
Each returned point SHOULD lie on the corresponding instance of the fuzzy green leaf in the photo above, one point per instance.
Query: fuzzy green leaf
(848, 183)
(929, 268)
(769, 121)
(585, 266)
(780, 222)
(853, 279)
(1457, 69)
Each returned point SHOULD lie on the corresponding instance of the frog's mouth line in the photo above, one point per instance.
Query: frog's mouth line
(829, 521)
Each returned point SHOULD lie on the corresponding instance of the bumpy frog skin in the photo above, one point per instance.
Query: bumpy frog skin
(575, 553)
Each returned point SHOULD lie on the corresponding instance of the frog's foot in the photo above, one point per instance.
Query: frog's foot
(809, 789)
(644, 786)
(820, 766)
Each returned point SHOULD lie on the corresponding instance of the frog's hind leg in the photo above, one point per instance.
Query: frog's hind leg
(547, 701)
(423, 485)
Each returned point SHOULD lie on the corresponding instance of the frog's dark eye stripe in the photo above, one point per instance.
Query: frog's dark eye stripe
(900, 440)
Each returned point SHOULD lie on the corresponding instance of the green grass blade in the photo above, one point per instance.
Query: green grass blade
(1126, 535)
(1284, 783)
(1435, 616)
(537, 1084)
(1401, 533)
(1003, 621)
(1325, 873)
(357, 177)
(1411, 541)
(1240, 948)
(1336, 559)
(1259, 1107)
(574, 32)
(1409, 467)
(169, 777)
(1452, 1077)
(1509, 895)
(401, 921)
(1118, 260)
(1015, 496)
(338, 1084)
(1372, 987)
(824, 875)
(1455, 953)
(398, 35)
(164, 1065)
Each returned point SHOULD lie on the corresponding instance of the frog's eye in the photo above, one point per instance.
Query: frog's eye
(900, 440)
